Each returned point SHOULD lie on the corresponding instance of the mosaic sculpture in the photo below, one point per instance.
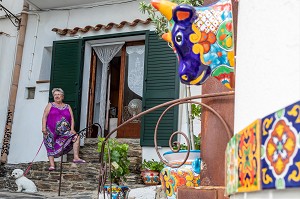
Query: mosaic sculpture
(202, 38)
(266, 154)
(187, 175)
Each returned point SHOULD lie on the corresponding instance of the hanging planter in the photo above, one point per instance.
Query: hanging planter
(186, 175)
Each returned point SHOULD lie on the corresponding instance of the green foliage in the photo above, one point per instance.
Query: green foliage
(196, 111)
(152, 165)
(160, 22)
(197, 143)
(118, 157)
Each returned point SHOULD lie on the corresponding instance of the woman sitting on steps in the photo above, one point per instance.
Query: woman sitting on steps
(58, 128)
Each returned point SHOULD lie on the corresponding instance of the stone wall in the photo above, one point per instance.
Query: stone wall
(75, 177)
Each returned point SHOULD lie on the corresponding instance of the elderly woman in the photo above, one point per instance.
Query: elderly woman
(58, 129)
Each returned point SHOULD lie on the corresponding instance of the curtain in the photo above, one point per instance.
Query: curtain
(136, 68)
(105, 53)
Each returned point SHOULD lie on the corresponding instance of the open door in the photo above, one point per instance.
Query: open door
(124, 90)
(92, 132)
(131, 88)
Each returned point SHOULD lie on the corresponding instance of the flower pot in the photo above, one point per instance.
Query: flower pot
(186, 175)
(150, 177)
(117, 192)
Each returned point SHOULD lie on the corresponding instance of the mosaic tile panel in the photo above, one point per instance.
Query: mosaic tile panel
(280, 147)
(249, 158)
(231, 166)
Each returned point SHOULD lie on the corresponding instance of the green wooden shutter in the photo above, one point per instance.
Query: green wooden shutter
(66, 73)
(161, 84)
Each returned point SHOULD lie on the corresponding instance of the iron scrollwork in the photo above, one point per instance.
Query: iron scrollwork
(13, 18)
(104, 165)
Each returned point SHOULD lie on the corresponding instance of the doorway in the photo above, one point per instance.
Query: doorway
(124, 91)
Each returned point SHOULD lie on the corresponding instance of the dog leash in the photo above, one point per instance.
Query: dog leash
(28, 168)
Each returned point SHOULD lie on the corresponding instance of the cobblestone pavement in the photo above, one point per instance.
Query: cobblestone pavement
(43, 195)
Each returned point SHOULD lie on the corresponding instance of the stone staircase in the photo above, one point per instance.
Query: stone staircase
(75, 177)
(90, 154)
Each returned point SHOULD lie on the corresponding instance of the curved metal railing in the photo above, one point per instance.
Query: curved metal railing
(184, 101)
(170, 104)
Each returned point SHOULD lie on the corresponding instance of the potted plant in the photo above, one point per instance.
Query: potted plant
(150, 171)
(186, 175)
(118, 154)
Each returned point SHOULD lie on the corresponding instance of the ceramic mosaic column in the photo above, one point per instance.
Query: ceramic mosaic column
(280, 146)
(187, 175)
(248, 158)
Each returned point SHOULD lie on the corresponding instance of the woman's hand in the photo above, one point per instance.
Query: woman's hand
(75, 135)
(45, 132)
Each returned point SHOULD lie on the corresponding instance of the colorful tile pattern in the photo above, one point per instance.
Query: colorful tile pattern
(248, 158)
(281, 148)
(172, 178)
(231, 166)
(266, 154)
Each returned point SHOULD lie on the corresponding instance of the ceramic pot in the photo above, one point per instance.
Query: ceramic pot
(117, 192)
(150, 177)
(187, 175)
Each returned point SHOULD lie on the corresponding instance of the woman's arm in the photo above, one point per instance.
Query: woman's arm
(72, 120)
(44, 119)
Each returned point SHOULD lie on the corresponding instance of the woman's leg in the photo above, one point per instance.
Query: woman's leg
(76, 146)
(51, 160)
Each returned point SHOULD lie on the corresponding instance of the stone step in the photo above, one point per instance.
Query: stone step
(89, 152)
(75, 177)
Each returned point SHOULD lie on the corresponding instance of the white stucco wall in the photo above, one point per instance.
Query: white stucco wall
(268, 67)
(8, 41)
(27, 136)
(149, 153)
(14, 6)
(28, 112)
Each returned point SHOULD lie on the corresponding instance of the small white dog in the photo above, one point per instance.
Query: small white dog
(22, 182)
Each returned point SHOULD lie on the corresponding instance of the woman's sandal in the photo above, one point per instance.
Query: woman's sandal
(51, 168)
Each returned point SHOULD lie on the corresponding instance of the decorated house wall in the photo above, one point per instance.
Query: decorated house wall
(26, 130)
(8, 41)
(266, 112)
(27, 137)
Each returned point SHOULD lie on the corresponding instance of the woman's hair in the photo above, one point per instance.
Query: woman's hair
(59, 90)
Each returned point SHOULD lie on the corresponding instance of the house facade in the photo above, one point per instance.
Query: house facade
(267, 66)
(91, 49)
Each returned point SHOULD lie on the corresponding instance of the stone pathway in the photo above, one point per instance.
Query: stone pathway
(150, 192)
(45, 195)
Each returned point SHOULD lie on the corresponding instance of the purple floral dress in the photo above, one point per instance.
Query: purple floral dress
(58, 128)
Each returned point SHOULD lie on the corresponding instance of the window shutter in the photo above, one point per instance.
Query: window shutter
(161, 84)
(66, 73)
